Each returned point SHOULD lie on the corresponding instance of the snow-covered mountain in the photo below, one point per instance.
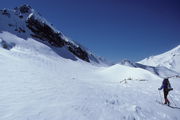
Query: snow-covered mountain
(26, 23)
(169, 59)
(158, 70)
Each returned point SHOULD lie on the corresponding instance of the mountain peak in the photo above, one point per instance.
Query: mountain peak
(177, 49)
(24, 9)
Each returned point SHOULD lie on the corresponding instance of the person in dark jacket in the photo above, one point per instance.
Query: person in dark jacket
(166, 86)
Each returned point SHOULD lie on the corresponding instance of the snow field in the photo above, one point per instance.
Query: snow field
(38, 84)
(46, 87)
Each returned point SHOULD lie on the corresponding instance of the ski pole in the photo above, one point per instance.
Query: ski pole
(172, 100)
(160, 96)
(176, 76)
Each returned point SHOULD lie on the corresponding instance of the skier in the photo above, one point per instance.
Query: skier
(166, 86)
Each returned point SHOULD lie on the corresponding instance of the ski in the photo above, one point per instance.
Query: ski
(173, 107)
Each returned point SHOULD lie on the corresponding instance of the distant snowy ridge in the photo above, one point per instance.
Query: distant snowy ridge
(25, 23)
(159, 70)
(169, 59)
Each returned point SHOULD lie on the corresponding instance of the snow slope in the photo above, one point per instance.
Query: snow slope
(169, 59)
(38, 84)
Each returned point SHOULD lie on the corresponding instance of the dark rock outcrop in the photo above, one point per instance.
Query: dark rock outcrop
(5, 12)
(6, 45)
(23, 9)
(79, 52)
(45, 33)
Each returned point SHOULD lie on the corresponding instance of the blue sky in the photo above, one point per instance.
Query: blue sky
(114, 29)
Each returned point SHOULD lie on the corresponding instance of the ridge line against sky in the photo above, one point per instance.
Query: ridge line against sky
(113, 29)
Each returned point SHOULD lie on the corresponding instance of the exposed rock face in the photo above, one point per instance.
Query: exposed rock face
(46, 33)
(5, 12)
(6, 45)
(79, 52)
(25, 8)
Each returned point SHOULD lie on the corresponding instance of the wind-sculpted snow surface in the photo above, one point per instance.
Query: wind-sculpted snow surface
(37, 84)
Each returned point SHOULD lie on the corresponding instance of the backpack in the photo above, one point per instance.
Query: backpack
(167, 85)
